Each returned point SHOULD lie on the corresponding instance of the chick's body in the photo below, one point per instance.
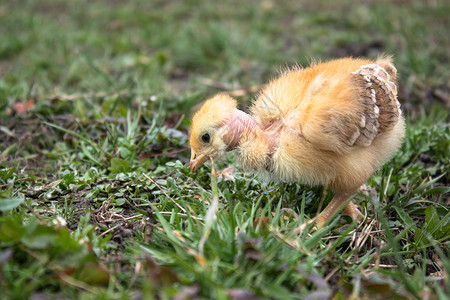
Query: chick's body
(314, 113)
(331, 124)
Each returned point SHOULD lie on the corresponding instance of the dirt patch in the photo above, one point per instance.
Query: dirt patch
(122, 221)
(24, 142)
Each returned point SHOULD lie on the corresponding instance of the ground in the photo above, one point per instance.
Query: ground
(96, 197)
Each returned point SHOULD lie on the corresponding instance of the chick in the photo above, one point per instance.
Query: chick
(332, 124)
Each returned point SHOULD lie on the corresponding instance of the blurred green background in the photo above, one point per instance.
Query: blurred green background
(166, 48)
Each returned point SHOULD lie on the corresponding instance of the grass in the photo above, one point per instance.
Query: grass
(96, 197)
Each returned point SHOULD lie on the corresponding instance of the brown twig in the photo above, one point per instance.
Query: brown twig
(41, 219)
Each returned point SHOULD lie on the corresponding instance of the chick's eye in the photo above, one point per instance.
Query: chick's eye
(206, 137)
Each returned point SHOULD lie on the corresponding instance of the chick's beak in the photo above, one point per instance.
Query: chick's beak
(197, 161)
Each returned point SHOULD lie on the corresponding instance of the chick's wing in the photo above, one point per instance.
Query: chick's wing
(350, 110)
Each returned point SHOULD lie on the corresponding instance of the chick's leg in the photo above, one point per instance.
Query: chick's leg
(352, 210)
(334, 206)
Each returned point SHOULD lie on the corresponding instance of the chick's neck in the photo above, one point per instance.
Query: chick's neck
(240, 127)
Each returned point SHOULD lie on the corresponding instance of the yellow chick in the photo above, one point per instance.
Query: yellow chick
(332, 124)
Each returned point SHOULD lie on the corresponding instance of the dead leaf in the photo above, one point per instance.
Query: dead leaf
(264, 221)
(94, 274)
(21, 107)
(160, 275)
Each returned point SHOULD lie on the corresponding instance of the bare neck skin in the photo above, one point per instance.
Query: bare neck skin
(240, 127)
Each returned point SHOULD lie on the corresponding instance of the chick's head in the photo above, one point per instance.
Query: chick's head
(208, 128)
